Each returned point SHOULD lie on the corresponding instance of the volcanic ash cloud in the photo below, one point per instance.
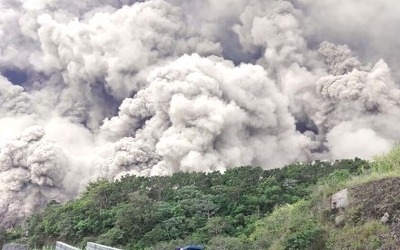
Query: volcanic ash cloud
(203, 114)
(31, 173)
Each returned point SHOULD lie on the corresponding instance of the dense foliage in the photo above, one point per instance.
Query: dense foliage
(221, 211)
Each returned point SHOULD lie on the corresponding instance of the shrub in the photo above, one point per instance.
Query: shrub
(309, 236)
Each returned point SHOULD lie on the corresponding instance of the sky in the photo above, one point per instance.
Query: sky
(100, 89)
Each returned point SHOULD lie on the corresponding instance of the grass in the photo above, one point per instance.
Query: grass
(387, 163)
(369, 235)
(382, 166)
(353, 235)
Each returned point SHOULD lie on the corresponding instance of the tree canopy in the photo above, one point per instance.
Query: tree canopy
(218, 210)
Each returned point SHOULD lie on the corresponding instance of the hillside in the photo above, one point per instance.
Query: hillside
(372, 200)
(243, 208)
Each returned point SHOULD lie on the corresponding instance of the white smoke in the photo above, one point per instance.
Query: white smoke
(105, 88)
(368, 26)
(277, 29)
(13, 100)
(205, 114)
(31, 172)
(99, 55)
(359, 107)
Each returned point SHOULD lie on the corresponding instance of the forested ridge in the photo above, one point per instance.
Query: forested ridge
(218, 210)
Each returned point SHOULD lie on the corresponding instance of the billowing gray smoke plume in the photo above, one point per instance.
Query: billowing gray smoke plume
(359, 105)
(32, 170)
(105, 88)
(204, 114)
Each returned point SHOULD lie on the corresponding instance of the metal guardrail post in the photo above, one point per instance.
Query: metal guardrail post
(95, 246)
(90, 246)
(62, 246)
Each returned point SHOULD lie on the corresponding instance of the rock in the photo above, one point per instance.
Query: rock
(339, 220)
(340, 200)
(385, 218)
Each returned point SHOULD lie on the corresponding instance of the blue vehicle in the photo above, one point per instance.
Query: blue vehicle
(191, 247)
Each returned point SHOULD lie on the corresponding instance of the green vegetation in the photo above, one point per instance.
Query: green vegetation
(364, 236)
(221, 211)
(243, 208)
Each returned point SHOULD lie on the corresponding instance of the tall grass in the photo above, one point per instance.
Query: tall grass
(354, 236)
(310, 224)
(382, 166)
(389, 162)
(365, 236)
